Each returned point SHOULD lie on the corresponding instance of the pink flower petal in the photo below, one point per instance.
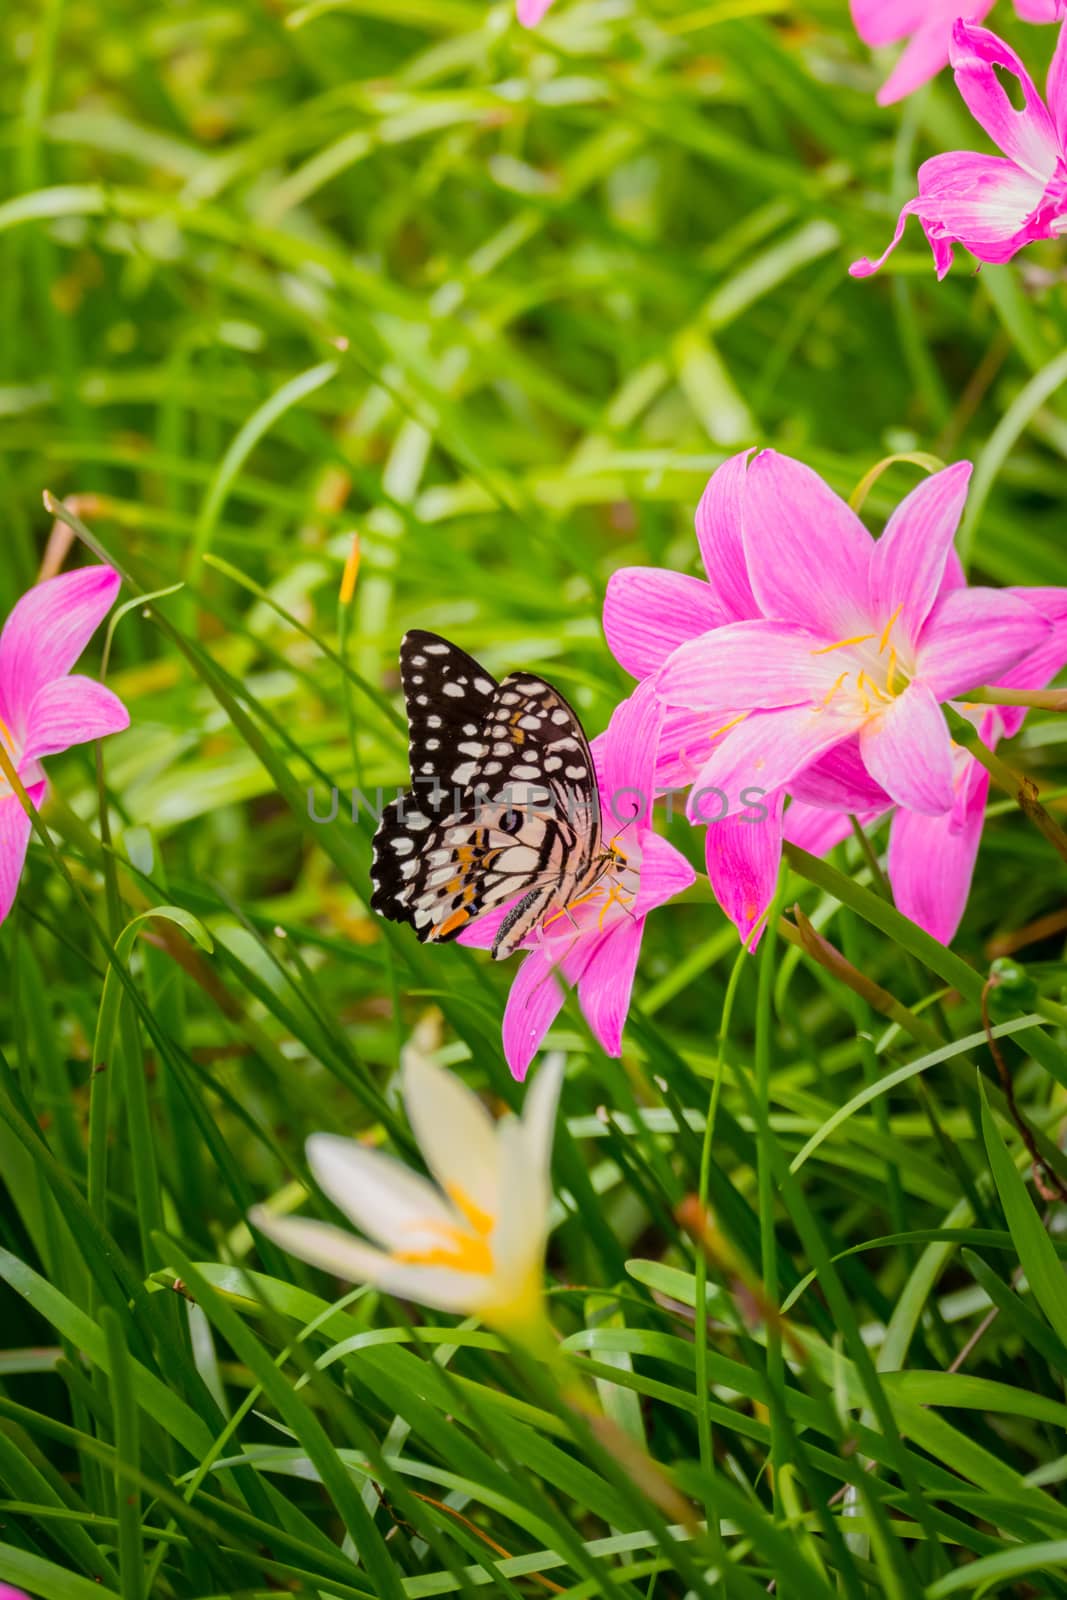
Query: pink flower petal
(685, 743)
(664, 873)
(907, 750)
(908, 564)
(985, 203)
(817, 829)
(720, 535)
(1041, 665)
(931, 863)
(1039, 10)
(761, 756)
(70, 711)
(15, 830)
(756, 664)
(1026, 137)
(605, 986)
(530, 12)
(648, 613)
(867, 266)
(973, 636)
(537, 995)
(481, 933)
(628, 757)
(1056, 88)
(808, 554)
(47, 632)
(534, 1003)
(882, 22)
(953, 576)
(926, 54)
(743, 858)
(840, 780)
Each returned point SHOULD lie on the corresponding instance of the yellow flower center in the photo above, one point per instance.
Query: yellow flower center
(875, 676)
(462, 1249)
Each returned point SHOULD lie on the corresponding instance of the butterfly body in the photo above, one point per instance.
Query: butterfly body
(504, 804)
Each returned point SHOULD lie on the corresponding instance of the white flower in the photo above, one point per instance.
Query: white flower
(472, 1243)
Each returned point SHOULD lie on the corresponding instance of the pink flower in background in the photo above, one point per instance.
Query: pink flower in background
(595, 943)
(994, 205)
(7, 1593)
(43, 708)
(927, 26)
(813, 666)
(530, 12)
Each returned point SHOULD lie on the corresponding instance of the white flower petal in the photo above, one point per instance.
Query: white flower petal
(335, 1251)
(539, 1115)
(455, 1132)
(381, 1196)
(518, 1241)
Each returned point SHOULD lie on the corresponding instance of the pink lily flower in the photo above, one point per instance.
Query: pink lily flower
(43, 708)
(814, 665)
(931, 860)
(595, 943)
(994, 205)
(530, 12)
(927, 26)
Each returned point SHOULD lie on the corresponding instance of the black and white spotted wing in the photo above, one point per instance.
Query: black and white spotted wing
(448, 696)
(519, 815)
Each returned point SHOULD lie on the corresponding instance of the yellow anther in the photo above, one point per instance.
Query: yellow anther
(618, 857)
(351, 572)
(615, 897)
(887, 630)
(860, 638)
(832, 691)
(892, 671)
(726, 727)
(879, 694)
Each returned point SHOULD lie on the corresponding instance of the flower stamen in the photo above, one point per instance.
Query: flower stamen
(860, 638)
(887, 630)
(460, 1250)
(714, 734)
(565, 911)
(615, 897)
(479, 1220)
(835, 686)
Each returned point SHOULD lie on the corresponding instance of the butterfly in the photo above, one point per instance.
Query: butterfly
(504, 803)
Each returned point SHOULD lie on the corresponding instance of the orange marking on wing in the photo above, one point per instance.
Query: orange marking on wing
(450, 924)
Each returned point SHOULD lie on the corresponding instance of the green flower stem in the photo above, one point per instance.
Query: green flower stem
(1036, 699)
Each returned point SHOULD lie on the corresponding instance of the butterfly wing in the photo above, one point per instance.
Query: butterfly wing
(448, 696)
(529, 830)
